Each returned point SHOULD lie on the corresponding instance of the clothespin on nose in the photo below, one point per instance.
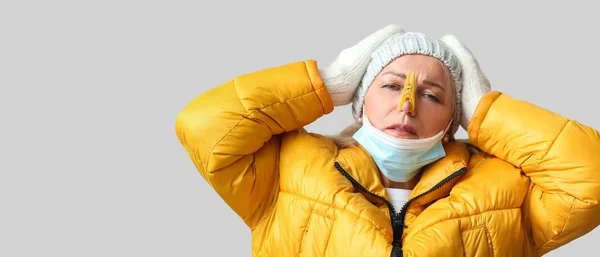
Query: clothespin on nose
(408, 92)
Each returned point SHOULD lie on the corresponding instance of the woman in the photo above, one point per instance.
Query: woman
(397, 183)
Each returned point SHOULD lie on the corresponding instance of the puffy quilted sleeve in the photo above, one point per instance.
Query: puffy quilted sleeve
(230, 131)
(560, 156)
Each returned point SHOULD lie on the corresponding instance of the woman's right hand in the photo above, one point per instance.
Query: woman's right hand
(342, 77)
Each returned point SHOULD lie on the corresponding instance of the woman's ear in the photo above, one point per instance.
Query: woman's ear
(446, 139)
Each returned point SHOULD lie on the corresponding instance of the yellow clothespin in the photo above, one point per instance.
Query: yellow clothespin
(408, 92)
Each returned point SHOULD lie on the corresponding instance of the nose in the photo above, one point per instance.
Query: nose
(407, 108)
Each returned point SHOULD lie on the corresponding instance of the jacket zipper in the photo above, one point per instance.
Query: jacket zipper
(437, 186)
(397, 219)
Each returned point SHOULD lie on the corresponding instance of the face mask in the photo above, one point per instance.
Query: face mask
(399, 159)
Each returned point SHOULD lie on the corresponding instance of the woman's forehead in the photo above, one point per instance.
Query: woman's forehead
(426, 68)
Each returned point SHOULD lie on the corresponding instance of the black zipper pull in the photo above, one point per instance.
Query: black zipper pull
(396, 252)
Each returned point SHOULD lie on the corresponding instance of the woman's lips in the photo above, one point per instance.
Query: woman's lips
(402, 130)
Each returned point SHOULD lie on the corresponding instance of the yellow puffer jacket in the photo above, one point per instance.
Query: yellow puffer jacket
(534, 187)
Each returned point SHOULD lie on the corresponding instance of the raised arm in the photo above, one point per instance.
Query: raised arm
(230, 131)
(560, 156)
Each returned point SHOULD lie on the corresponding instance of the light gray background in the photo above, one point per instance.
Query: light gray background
(90, 164)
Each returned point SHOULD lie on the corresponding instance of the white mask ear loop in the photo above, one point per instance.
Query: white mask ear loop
(448, 127)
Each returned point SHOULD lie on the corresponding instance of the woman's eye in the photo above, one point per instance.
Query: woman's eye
(432, 97)
(393, 87)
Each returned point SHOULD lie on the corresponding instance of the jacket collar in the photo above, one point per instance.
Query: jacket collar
(361, 166)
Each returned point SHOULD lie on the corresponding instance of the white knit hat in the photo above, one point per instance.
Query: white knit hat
(409, 43)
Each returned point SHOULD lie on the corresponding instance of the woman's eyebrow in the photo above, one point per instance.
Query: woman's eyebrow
(428, 82)
(434, 84)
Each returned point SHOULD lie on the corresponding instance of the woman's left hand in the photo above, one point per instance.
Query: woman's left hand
(474, 82)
